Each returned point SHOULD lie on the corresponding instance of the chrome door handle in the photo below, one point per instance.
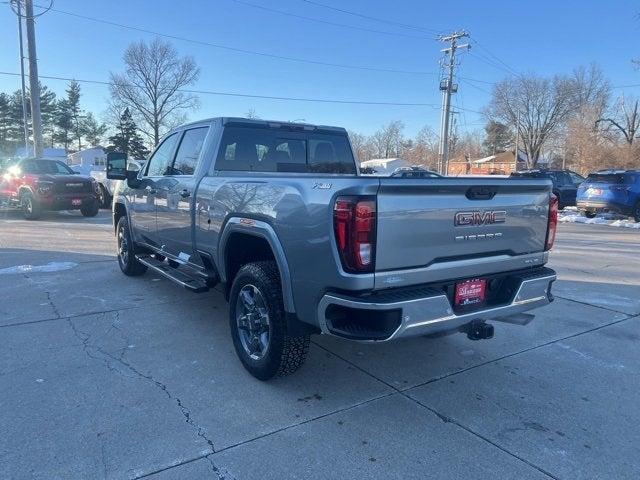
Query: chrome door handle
(185, 193)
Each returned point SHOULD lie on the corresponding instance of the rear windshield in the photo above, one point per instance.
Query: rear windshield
(609, 178)
(280, 150)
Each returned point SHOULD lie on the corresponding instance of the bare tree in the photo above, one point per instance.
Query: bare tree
(425, 149)
(150, 85)
(388, 141)
(590, 88)
(251, 113)
(626, 119)
(361, 146)
(536, 106)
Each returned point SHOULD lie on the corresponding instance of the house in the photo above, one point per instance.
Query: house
(499, 164)
(385, 166)
(84, 161)
(50, 153)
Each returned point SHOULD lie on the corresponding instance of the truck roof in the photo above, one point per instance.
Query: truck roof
(267, 123)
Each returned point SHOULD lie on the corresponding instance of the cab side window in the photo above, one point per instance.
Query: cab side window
(160, 163)
(189, 151)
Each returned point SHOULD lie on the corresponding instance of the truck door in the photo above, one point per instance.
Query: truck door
(144, 198)
(176, 193)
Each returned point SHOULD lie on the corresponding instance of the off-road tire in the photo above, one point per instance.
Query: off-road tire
(285, 354)
(130, 266)
(30, 206)
(90, 210)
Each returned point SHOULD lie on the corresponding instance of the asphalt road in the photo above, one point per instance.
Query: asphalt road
(104, 376)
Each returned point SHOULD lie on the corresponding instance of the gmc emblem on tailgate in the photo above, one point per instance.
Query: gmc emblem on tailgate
(477, 217)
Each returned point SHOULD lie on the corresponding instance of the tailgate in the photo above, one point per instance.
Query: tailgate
(432, 223)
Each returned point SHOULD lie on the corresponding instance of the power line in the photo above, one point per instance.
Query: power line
(241, 50)
(326, 22)
(254, 52)
(633, 85)
(511, 70)
(490, 62)
(475, 80)
(469, 84)
(375, 19)
(247, 95)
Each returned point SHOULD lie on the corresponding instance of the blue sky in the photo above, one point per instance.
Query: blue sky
(545, 37)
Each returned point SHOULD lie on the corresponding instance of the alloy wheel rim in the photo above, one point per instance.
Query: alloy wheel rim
(252, 321)
(123, 246)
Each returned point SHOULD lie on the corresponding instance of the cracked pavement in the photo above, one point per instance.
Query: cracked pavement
(108, 377)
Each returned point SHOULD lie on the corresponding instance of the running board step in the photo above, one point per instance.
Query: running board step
(196, 285)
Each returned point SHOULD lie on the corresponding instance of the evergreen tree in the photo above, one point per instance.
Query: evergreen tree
(16, 128)
(5, 124)
(93, 131)
(48, 111)
(127, 139)
(499, 138)
(64, 124)
(75, 112)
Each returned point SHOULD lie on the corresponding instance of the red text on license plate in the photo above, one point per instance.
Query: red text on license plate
(470, 292)
(76, 201)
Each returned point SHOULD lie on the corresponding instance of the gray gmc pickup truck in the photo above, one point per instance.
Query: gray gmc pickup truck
(278, 215)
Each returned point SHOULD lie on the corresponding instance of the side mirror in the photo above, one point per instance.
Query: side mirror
(116, 166)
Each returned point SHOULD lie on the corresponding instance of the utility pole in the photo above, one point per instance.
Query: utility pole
(34, 86)
(448, 87)
(517, 139)
(24, 90)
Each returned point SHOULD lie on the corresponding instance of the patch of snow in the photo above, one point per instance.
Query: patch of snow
(49, 267)
(612, 220)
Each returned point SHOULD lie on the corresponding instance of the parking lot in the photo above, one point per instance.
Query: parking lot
(105, 376)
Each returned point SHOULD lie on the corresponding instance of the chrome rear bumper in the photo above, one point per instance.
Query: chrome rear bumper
(431, 312)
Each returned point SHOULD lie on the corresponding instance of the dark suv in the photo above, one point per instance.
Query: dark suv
(565, 183)
(36, 185)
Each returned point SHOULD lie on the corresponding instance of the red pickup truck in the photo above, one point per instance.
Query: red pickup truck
(37, 185)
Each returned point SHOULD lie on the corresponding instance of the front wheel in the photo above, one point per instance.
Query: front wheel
(636, 212)
(589, 214)
(127, 260)
(258, 323)
(30, 207)
(90, 210)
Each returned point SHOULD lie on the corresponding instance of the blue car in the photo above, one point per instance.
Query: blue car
(611, 191)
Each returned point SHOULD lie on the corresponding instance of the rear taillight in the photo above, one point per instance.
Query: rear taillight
(552, 224)
(354, 221)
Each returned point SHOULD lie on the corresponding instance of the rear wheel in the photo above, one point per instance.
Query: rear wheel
(636, 212)
(127, 260)
(258, 324)
(589, 214)
(30, 207)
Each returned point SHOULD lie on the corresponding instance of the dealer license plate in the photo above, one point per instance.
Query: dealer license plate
(471, 292)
